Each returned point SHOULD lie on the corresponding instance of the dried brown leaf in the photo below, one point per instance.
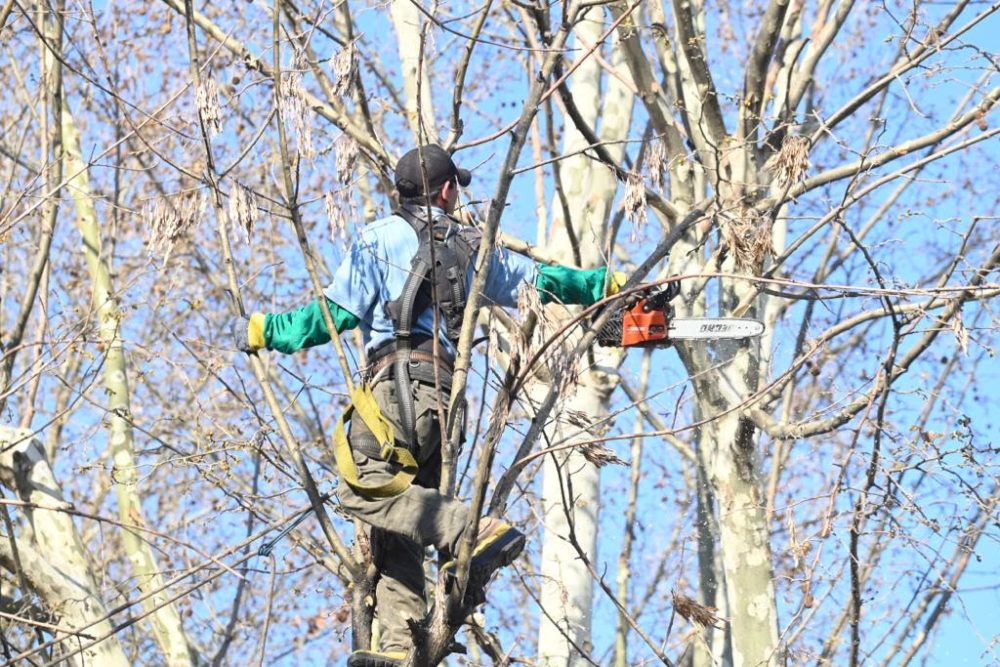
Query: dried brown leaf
(656, 162)
(600, 456)
(207, 99)
(293, 107)
(693, 611)
(343, 65)
(747, 234)
(789, 165)
(635, 202)
(347, 156)
(243, 208)
(337, 218)
(961, 333)
(170, 220)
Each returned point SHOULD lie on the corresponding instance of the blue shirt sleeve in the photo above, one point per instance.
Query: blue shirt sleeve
(356, 282)
(507, 272)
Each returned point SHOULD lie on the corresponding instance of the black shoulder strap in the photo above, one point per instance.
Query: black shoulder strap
(414, 217)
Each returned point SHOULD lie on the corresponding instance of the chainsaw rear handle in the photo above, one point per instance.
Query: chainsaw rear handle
(659, 300)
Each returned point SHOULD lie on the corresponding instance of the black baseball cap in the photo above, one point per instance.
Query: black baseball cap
(439, 168)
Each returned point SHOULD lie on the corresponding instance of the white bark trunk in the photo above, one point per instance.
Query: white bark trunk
(733, 546)
(733, 468)
(406, 18)
(743, 538)
(50, 552)
(567, 590)
(713, 650)
(570, 504)
(166, 622)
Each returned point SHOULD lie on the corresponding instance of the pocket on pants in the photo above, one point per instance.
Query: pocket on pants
(428, 428)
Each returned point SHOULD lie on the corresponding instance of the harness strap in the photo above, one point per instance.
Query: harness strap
(416, 220)
(421, 368)
(421, 349)
(404, 389)
(366, 444)
(363, 403)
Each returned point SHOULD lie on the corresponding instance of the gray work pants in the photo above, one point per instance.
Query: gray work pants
(402, 526)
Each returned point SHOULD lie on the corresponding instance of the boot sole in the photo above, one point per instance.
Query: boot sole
(499, 553)
(373, 659)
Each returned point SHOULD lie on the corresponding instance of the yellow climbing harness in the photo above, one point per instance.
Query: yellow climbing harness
(363, 403)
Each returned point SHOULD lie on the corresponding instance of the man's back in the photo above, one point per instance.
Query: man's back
(378, 264)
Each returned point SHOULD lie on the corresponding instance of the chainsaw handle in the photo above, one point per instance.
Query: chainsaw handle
(659, 300)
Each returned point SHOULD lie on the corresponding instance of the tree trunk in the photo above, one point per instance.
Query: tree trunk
(716, 648)
(729, 477)
(165, 620)
(570, 505)
(408, 21)
(744, 545)
(571, 482)
(728, 445)
(50, 552)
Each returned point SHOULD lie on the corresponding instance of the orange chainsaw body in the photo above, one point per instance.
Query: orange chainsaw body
(642, 327)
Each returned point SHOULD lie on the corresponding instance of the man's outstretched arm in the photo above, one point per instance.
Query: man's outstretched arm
(293, 330)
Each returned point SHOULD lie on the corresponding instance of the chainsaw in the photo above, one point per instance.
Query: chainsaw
(650, 322)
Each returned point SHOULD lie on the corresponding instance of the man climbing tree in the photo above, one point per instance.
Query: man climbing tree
(390, 459)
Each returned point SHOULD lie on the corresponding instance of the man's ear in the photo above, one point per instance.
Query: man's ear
(447, 189)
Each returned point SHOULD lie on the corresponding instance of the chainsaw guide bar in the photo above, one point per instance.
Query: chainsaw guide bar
(713, 327)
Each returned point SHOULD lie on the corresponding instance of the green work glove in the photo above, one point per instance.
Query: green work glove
(580, 286)
(248, 333)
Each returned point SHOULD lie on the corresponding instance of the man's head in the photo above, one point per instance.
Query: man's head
(439, 172)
